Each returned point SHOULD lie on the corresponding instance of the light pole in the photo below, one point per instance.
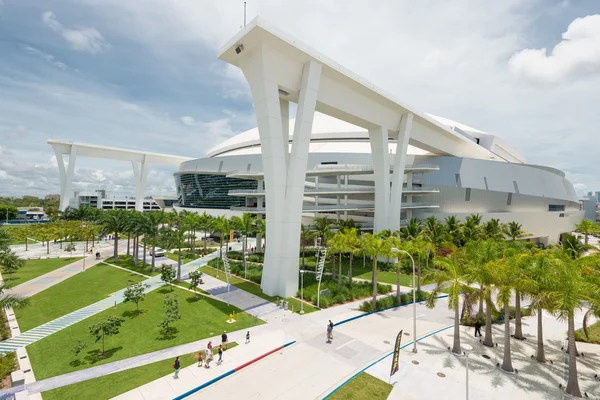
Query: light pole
(302, 291)
(396, 250)
(467, 348)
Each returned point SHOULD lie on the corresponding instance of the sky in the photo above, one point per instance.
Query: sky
(144, 74)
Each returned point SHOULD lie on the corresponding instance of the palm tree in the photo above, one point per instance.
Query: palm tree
(193, 222)
(411, 230)
(176, 238)
(337, 245)
(222, 225)
(145, 226)
(205, 221)
(480, 257)
(306, 235)
(571, 292)
(472, 230)
(451, 276)
(587, 227)
(375, 247)
(353, 247)
(323, 228)
(155, 220)
(345, 224)
(395, 242)
(261, 229)
(493, 229)
(513, 230)
(113, 222)
(572, 246)
(10, 262)
(10, 300)
(542, 291)
(453, 228)
(245, 225)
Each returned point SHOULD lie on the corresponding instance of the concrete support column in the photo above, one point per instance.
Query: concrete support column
(378, 138)
(140, 174)
(284, 174)
(284, 107)
(409, 198)
(398, 174)
(66, 176)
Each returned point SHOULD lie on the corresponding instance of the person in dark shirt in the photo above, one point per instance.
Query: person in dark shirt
(224, 339)
(477, 328)
(176, 367)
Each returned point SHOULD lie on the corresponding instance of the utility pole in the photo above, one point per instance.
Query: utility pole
(244, 13)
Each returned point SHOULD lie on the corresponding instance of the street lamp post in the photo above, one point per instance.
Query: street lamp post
(467, 348)
(396, 250)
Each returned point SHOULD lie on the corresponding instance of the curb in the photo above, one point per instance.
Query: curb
(383, 309)
(231, 372)
(384, 357)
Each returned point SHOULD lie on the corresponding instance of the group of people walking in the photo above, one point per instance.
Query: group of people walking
(207, 355)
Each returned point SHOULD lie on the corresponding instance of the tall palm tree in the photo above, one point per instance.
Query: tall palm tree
(572, 246)
(113, 222)
(572, 291)
(375, 247)
(451, 276)
(222, 225)
(353, 247)
(395, 242)
(193, 222)
(345, 224)
(155, 221)
(587, 227)
(513, 230)
(337, 245)
(205, 221)
(10, 300)
(542, 291)
(176, 238)
(471, 230)
(245, 225)
(261, 229)
(480, 257)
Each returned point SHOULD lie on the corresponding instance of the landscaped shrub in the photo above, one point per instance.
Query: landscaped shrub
(390, 301)
(497, 316)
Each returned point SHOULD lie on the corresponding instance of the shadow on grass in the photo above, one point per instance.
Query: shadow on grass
(193, 299)
(95, 356)
(169, 335)
(165, 290)
(132, 314)
(76, 363)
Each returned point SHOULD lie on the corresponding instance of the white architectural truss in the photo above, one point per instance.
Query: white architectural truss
(279, 69)
(139, 161)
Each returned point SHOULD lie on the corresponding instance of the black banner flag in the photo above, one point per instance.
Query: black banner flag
(396, 354)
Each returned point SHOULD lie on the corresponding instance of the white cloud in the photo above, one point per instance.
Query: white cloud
(576, 56)
(187, 120)
(81, 39)
(48, 57)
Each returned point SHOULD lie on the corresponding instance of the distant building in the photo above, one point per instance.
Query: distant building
(99, 199)
(53, 197)
(31, 214)
(590, 208)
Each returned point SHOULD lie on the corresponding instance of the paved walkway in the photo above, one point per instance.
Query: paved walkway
(42, 331)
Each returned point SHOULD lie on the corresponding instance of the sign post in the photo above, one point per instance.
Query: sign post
(320, 267)
(396, 355)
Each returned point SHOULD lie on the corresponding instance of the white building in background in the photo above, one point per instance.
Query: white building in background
(99, 199)
(353, 151)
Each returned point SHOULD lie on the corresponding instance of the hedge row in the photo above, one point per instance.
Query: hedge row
(254, 272)
(392, 301)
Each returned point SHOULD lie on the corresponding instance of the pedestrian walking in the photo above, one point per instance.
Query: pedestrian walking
(176, 367)
(247, 337)
(329, 333)
(477, 328)
(209, 345)
(224, 339)
(208, 355)
(220, 360)
(331, 325)
(200, 358)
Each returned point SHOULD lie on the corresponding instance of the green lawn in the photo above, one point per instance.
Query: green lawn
(76, 292)
(184, 260)
(127, 262)
(364, 387)
(34, 268)
(255, 289)
(139, 334)
(593, 331)
(109, 386)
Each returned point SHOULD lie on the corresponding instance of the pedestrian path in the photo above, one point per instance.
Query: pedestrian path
(47, 329)
(243, 300)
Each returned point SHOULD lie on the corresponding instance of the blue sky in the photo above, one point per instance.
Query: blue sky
(143, 74)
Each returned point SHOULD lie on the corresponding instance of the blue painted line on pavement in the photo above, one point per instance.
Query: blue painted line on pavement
(218, 378)
(384, 357)
(383, 309)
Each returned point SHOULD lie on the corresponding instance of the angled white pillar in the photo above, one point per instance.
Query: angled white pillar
(66, 176)
(398, 174)
(284, 184)
(378, 137)
(140, 173)
(284, 106)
